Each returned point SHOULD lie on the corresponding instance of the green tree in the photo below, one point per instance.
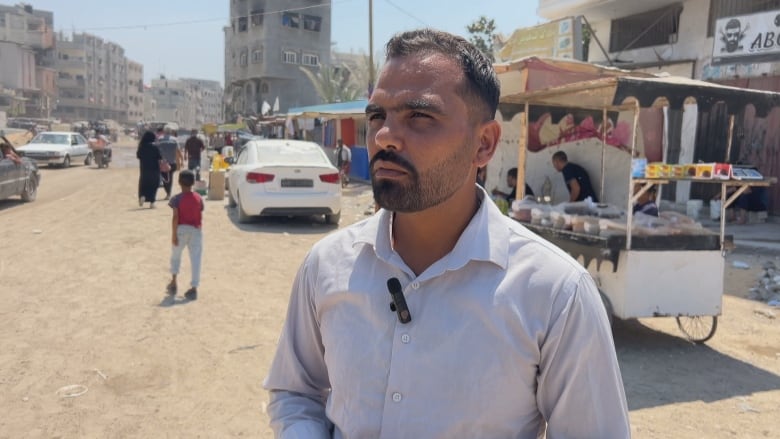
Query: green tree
(482, 32)
(333, 83)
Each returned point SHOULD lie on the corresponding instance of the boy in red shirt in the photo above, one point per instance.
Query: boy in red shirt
(186, 227)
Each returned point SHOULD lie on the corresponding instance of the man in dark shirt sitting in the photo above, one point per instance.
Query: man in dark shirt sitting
(511, 181)
(576, 178)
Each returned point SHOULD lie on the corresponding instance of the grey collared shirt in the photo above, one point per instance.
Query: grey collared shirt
(508, 339)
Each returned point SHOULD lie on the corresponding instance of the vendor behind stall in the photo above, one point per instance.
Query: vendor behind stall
(646, 202)
(575, 177)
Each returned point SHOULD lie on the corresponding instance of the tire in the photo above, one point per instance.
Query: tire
(333, 219)
(30, 189)
(698, 329)
(66, 162)
(88, 160)
(231, 200)
(243, 218)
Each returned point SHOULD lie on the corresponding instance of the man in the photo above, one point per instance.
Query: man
(344, 161)
(193, 149)
(169, 149)
(575, 177)
(511, 181)
(500, 334)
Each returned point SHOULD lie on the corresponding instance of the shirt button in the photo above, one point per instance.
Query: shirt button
(416, 285)
(405, 338)
(397, 397)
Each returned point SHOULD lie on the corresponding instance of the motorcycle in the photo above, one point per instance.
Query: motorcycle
(101, 151)
(102, 157)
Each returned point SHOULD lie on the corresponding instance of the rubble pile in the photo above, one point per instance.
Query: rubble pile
(767, 288)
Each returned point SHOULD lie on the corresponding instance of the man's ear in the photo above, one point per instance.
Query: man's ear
(488, 135)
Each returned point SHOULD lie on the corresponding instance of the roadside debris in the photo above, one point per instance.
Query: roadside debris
(767, 287)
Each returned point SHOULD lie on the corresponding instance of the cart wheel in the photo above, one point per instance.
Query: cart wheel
(607, 306)
(698, 329)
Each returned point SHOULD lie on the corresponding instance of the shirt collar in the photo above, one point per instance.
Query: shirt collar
(485, 238)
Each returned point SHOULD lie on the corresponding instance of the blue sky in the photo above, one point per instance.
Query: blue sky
(196, 49)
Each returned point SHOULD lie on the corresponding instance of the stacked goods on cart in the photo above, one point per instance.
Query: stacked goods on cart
(697, 171)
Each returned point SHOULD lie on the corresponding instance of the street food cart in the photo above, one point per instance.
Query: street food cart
(678, 275)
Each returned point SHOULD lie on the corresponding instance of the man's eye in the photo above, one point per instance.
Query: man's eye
(418, 114)
(376, 116)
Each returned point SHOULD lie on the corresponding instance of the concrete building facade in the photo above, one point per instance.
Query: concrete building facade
(92, 78)
(26, 61)
(208, 96)
(135, 92)
(265, 50)
(187, 101)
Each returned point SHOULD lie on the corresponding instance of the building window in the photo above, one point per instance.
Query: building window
(242, 24)
(264, 87)
(732, 8)
(290, 57)
(308, 59)
(290, 19)
(257, 56)
(243, 60)
(312, 22)
(653, 28)
(257, 17)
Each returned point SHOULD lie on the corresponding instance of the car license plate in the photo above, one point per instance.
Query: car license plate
(297, 182)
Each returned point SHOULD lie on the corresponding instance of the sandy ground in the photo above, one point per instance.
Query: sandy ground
(82, 277)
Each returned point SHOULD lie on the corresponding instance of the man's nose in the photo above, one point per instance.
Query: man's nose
(389, 135)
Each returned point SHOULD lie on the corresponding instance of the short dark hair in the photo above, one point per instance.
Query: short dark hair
(186, 178)
(512, 173)
(481, 81)
(560, 156)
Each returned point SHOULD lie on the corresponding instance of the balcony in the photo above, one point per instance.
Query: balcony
(597, 10)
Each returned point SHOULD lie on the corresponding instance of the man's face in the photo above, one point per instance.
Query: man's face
(557, 164)
(511, 181)
(733, 33)
(421, 140)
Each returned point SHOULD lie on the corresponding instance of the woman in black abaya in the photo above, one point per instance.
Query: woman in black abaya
(149, 160)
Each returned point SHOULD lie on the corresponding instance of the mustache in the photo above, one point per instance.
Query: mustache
(391, 157)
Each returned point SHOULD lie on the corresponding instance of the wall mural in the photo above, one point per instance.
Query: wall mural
(551, 126)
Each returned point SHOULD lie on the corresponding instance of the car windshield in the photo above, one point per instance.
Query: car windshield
(291, 153)
(60, 139)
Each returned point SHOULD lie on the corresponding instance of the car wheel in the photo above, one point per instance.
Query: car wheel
(231, 200)
(66, 162)
(88, 160)
(30, 189)
(333, 219)
(243, 218)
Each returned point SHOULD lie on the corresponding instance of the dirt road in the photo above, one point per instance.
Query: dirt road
(82, 277)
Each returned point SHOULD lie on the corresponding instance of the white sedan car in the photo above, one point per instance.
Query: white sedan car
(278, 177)
(57, 148)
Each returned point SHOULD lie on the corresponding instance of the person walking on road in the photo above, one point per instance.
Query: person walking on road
(193, 149)
(187, 231)
(169, 148)
(344, 161)
(493, 332)
(149, 157)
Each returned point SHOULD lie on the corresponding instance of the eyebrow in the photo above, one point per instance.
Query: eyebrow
(413, 104)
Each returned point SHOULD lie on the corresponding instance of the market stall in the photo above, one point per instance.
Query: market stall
(674, 269)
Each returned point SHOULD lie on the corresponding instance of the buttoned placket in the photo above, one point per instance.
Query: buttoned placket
(401, 359)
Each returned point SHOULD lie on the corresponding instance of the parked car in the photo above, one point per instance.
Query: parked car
(277, 177)
(57, 148)
(19, 179)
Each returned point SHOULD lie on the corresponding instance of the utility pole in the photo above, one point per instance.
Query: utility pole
(370, 47)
